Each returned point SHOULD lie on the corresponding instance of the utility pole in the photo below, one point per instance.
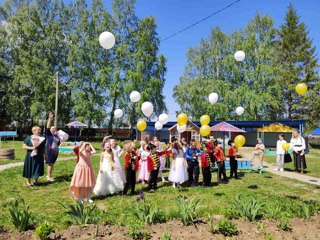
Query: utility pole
(56, 106)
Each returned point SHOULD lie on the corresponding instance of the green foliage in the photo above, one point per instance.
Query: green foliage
(223, 226)
(81, 214)
(138, 232)
(248, 209)
(187, 209)
(148, 214)
(166, 235)
(19, 216)
(43, 230)
(284, 224)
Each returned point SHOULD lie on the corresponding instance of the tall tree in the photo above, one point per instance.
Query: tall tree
(295, 54)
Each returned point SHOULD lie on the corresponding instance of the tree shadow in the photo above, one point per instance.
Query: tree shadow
(267, 176)
(253, 187)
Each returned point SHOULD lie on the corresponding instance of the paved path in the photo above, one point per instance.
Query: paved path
(18, 164)
(268, 167)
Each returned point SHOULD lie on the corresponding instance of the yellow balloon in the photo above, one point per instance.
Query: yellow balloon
(285, 146)
(141, 125)
(301, 88)
(182, 119)
(205, 130)
(204, 120)
(239, 141)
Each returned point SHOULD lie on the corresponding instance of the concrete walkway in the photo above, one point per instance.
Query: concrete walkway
(293, 175)
(268, 167)
(18, 164)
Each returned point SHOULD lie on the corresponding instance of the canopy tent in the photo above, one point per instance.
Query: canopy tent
(225, 127)
(76, 124)
(276, 127)
(316, 132)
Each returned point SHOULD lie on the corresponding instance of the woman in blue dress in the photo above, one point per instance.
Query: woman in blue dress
(52, 146)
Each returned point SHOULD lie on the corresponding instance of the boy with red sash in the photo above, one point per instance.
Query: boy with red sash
(220, 158)
(206, 167)
(131, 165)
(233, 152)
(153, 166)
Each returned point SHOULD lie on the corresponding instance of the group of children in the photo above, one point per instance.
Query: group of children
(147, 163)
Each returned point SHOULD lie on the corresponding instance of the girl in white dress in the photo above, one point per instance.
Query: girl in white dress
(178, 172)
(109, 180)
(117, 152)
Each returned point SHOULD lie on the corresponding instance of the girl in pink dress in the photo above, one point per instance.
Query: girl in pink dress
(83, 180)
(143, 165)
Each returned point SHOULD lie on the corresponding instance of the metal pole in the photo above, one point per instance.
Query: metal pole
(56, 104)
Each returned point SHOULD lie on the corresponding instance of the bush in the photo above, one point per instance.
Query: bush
(148, 214)
(43, 230)
(284, 224)
(187, 209)
(166, 235)
(81, 214)
(248, 209)
(224, 226)
(138, 232)
(20, 218)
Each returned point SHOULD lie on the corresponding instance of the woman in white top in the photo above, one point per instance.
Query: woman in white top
(280, 153)
(298, 145)
(259, 152)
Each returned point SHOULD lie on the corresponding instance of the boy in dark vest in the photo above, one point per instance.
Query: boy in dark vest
(192, 154)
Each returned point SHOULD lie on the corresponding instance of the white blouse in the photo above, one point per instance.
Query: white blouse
(297, 144)
(279, 146)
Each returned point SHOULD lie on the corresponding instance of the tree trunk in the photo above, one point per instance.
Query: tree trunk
(110, 125)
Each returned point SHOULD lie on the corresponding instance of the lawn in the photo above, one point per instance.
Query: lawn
(44, 200)
(312, 159)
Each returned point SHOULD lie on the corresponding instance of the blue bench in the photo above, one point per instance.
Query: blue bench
(242, 165)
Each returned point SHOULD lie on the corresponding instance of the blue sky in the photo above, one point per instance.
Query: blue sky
(174, 15)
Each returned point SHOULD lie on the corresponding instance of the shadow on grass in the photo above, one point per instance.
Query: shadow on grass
(253, 187)
(219, 194)
(267, 176)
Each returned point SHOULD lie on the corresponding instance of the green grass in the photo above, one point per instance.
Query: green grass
(44, 200)
(312, 159)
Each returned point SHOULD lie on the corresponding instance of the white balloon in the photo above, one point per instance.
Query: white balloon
(239, 110)
(239, 56)
(135, 96)
(182, 128)
(107, 40)
(147, 108)
(213, 98)
(158, 125)
(118, 113)
(163, 118)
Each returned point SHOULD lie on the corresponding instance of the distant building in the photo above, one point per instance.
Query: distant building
(254, 130)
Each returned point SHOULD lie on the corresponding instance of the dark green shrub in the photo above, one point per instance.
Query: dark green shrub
(19, 217)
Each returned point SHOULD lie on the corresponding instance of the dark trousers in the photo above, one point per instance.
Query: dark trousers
(206, 172)
(131, 180)
(153, 179)
(221, 171)
(299, 161)
(233, 167)
(212, 158)
(167, 165)
(193, 171)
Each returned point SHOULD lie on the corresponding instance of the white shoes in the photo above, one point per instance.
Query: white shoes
(174, 185)
(281, 169)
(276, 169)
(90, 200)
